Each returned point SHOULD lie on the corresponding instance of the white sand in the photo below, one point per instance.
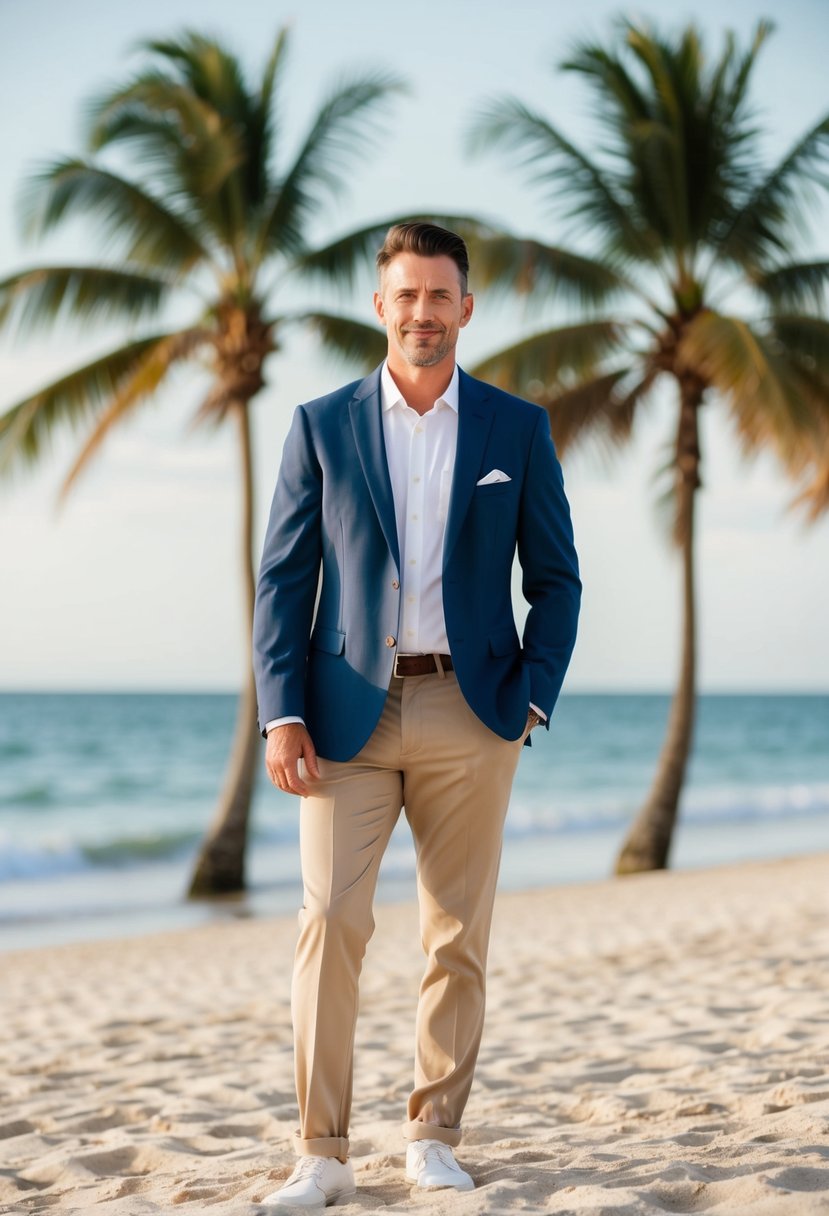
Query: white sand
(658, 1044)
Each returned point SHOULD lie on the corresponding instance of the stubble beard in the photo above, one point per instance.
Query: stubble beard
(426, 356)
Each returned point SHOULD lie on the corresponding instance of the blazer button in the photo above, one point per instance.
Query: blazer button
(390, 641)
(395, 584)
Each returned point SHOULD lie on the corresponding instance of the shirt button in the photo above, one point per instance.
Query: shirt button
(418, 430)
(395, 584)
(412, 561)
(390, 641)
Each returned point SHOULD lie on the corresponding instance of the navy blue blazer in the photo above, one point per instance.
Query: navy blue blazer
(328, 599)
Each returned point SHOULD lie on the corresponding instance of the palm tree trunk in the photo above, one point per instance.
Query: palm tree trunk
(648, 842)
(220, 866)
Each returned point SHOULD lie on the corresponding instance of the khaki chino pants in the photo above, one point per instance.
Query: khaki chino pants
(430, 753)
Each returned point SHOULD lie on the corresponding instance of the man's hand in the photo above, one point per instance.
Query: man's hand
(285, 746)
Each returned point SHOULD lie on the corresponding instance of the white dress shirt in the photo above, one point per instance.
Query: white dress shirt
(420, 451)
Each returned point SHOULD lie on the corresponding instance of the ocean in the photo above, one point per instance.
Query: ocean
(105, 797)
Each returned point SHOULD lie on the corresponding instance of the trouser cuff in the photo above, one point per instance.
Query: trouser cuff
(322, 1146)
(416, 1129)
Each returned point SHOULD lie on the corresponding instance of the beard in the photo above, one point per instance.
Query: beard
(425, 356)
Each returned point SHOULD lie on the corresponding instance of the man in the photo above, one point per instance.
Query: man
(399, 680)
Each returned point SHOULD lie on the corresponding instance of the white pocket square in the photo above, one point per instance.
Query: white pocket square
(492, 478)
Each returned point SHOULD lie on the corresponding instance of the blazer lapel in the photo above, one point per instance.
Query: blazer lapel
(475, 415)
(367, 425)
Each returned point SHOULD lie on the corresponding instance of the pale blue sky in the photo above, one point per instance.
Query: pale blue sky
(134, 585)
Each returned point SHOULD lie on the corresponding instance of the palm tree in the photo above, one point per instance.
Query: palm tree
(212, 207)
(693, 241)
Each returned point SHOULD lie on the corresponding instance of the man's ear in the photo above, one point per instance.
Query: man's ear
(378, 308)
(467, 306)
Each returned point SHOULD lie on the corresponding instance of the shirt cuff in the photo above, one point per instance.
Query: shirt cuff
(540, 713)
(282, 722)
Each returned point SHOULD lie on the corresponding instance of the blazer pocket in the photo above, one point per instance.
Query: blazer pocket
(504, 642)
(495, 487)
(332, 641)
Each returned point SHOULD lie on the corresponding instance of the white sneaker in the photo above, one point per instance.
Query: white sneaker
(317, 1182)
(431, 1164)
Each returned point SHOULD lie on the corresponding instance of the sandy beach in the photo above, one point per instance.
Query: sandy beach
(658, 1044)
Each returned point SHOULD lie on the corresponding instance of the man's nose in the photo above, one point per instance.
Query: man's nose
(423, 309)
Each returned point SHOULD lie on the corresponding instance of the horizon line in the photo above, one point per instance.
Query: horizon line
(574, 692)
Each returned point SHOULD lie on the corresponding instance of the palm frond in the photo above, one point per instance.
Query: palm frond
(673, 151)
(794, 285)
(751, 373)
(758, 227)
(173, 133)
(152, 93)
(26, 427)
(145, 378)
(804, 448)
(549, 361)
(620, 95)
(659, 62)
(805, 339)
(267, 102)
(147, 231)
(814, 493)
(742, 66)
(540, 271)
(600, 409)
(207, 69)
(33, 298)
(365, 345)
(564, 172)
(679, 132)
(346, 125)
(237, 136)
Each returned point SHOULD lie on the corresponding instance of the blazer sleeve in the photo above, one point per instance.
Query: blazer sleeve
(550, 571)
(288, 579)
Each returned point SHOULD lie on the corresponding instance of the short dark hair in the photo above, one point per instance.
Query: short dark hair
(429, 241)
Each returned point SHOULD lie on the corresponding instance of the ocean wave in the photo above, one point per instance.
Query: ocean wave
(761, 802)
(129, 849)
(36, 794)
(59, 855)
(532, 814)
(536, 813)
(13, 749)
(21, 860)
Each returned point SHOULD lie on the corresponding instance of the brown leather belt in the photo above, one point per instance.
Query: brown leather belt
(421, 664)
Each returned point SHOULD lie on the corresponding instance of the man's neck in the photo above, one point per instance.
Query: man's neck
(421, 386)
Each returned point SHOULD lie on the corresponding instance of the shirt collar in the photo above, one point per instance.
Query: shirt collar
(390, 394)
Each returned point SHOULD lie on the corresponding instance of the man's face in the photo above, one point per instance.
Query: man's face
(421, 305)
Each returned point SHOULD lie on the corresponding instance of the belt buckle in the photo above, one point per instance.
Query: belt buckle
(395, 673)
